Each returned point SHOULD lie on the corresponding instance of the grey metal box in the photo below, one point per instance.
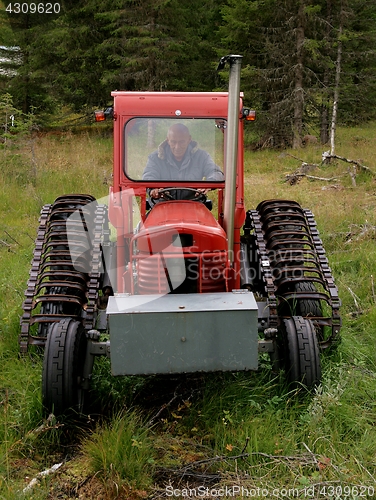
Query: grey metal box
(152, 334)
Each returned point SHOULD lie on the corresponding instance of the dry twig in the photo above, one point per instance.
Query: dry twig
(162, 408)
(359, 310)
(197, 470)
(11, 237)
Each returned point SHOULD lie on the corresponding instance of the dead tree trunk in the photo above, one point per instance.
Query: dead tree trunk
(336, 86)
(298, 90)
(325, 102)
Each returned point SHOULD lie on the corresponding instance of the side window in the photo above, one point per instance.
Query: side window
(171, 149)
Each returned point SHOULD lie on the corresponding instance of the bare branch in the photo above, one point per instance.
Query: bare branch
(305, 167)
(354, 162)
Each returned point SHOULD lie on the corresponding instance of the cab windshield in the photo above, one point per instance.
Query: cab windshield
(172, 149)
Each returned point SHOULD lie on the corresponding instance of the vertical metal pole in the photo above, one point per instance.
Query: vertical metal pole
(232, 147)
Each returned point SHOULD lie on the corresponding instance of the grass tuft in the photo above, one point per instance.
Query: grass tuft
(121, 451)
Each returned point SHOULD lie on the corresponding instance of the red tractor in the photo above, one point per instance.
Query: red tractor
(176, 283)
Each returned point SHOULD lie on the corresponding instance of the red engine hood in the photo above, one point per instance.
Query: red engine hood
(190, 218)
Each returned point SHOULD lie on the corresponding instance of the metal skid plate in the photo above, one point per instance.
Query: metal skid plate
(152, 334)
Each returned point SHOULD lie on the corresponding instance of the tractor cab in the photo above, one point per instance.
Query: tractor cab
(176, 240)
(173, 146)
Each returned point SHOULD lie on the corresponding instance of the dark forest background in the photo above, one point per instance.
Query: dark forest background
(302, 58)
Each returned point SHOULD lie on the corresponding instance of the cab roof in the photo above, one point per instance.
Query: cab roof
(177, 104)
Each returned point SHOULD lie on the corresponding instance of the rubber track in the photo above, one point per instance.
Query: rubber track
(53, 271)
(326, 274)
(28, 304)
(283, 230)
(269, 287)
(101, 237)
(287, 228)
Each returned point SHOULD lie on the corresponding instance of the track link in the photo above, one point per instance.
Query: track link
(261, 258)
(66, 269)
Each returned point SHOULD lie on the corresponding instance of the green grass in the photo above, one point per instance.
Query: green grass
(121, 450)
(154, 427)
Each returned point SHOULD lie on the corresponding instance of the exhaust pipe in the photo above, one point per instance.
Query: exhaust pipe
(235, 62)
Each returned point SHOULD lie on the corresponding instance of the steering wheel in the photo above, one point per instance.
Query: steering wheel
(197, 195)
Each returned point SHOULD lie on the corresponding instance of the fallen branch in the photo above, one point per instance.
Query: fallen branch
(46, 472)
(305, 167)
(292, 177)
(353, 162)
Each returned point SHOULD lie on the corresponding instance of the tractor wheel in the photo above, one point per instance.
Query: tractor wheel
(63, 367)
(302, 358)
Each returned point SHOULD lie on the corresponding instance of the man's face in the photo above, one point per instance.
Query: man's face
(178, 142)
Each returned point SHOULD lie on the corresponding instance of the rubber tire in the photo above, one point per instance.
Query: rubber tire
(63, 365)
(301, 307)
(302, 356)
(48, 308)
(308, 307)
